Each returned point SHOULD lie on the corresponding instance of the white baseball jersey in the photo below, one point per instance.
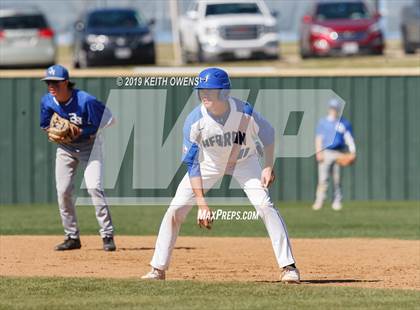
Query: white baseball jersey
(209, 139)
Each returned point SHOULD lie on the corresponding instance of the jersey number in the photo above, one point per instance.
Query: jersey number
(243, 153)
(75, 119)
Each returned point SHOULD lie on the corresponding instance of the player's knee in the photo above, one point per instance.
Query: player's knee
(65, 191)
(322, 186)
(264, 208)
(95, 192)
(176, 215)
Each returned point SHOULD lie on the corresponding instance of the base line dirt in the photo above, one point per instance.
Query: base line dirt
(373, 263)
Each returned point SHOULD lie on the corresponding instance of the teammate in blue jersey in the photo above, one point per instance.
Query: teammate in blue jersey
(334, 137)
(89, 115)
(220, 137)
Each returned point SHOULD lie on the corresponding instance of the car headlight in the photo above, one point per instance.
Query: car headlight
(146, 38)
(211, 30)
(375, 27)
(317, 29)
(93, 38)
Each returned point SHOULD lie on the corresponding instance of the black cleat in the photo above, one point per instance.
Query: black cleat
(69, 244)
(109, 244)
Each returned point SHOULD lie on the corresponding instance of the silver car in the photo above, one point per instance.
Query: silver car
(26, 39)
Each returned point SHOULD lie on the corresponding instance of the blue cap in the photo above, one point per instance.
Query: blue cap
(213, 78)
(56, 73)
(334, 104)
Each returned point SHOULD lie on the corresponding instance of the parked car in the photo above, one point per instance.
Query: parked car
(26, 39)
(116, 36)
(340, 27)
(410, 27)
(217, 29)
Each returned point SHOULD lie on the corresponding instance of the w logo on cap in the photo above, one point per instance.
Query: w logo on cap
(204, 79)
(51, 71)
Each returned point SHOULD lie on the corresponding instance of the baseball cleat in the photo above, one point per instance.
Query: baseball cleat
(316, 206)
(109, 244)
(69, 244)
(337, 206)
(154, 274)
(290, 275)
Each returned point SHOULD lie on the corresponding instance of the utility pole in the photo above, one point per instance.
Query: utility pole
(173, 7)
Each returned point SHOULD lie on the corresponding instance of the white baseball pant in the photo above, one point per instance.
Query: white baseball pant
(248, 175)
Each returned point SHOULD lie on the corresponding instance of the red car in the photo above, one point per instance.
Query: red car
(340, 27)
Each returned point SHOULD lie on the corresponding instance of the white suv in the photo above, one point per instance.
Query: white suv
(216, 29)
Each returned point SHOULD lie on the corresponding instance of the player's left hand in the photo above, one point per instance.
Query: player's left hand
(267, 177)
(205, 215)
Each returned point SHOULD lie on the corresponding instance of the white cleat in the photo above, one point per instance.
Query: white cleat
(337, 206)
(154, 274)
(290, 275)
(316, 206)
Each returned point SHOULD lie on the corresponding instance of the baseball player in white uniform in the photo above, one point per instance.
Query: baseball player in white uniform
(89, 115)
(220, 138)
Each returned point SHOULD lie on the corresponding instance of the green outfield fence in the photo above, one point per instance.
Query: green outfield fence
(384, 110)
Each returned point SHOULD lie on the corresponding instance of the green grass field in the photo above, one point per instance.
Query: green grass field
(65, 293)
(357, 219)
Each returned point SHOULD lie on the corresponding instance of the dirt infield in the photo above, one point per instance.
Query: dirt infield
(376, 263)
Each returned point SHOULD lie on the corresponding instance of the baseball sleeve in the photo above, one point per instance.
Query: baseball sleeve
(98, 116)
(45, 114)
(349, 139)
(264, 129)
(190, 151)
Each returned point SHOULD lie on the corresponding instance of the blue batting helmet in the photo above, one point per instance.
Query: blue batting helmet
(213, 78)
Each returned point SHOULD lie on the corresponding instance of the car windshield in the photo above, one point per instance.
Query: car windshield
(341, 10)
(232, 8)
(113, 19)
(23, 22)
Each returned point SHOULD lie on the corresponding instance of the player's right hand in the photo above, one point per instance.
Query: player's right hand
(320, 156)
(204, 214)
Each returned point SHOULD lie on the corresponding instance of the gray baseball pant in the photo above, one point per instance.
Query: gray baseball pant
(67, 162)
(326, 168)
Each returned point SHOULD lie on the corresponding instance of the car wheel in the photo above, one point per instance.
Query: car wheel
(303, 54)
(185, 57)
(150, 60)
(82, 59)
(408, 48)
(378, 52)
(272, 57)
(200, 54)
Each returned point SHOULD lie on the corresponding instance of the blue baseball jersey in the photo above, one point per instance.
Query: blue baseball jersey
(336, 134)
(211, 139)
(82, 109)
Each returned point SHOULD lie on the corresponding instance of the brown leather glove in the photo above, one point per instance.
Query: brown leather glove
(346, 159)
(61, 130)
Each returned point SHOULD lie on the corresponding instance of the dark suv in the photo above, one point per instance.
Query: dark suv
(113, 37)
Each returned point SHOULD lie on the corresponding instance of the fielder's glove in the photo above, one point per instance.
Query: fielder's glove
(346, 159)
(61, 130)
